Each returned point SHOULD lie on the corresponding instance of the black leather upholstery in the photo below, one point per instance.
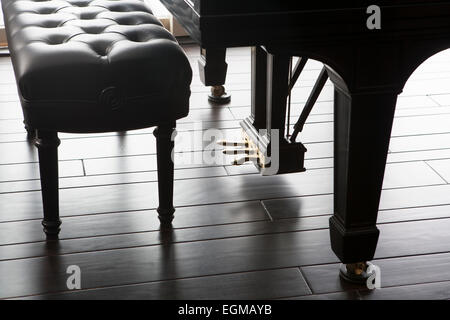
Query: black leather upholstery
(95, 65)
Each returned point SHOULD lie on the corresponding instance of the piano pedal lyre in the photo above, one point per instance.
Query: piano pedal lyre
(240, 148)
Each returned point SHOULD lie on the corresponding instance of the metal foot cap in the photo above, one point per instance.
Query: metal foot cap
(355, 272)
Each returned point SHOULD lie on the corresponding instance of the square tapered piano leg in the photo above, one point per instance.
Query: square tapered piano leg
(363, 123)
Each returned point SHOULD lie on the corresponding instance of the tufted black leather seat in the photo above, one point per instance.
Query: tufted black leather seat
(96, 66)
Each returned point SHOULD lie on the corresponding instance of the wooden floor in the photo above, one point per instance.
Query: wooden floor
(236, 235)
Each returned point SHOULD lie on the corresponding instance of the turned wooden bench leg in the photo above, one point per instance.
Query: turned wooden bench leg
(47, 143)
(164, 146)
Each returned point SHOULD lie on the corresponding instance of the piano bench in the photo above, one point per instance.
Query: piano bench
(89, 66)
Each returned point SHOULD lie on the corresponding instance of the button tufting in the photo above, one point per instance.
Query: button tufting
(71, 50)
(111, 98)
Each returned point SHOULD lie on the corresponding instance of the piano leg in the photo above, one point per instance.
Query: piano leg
(277, 92)
(31, 133)
(213, 72)
(363, 124)
(259, 84)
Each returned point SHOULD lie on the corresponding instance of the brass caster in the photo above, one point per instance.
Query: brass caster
(355, 272)
(218, 95)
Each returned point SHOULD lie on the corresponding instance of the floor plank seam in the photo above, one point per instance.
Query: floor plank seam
(378, 223)
(435, 171)
(266, 211)
(418, 284)
(419, 150)
(305, 280)
(83, 167)
(430, 96)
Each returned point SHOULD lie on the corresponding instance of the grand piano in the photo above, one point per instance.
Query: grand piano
(368, 67)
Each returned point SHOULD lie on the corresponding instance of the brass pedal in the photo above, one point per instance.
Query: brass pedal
(242, 148)
(241, 161)
(238, 151)
(232, 143)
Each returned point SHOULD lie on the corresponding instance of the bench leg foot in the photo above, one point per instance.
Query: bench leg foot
(47, 143)
(165, 135)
